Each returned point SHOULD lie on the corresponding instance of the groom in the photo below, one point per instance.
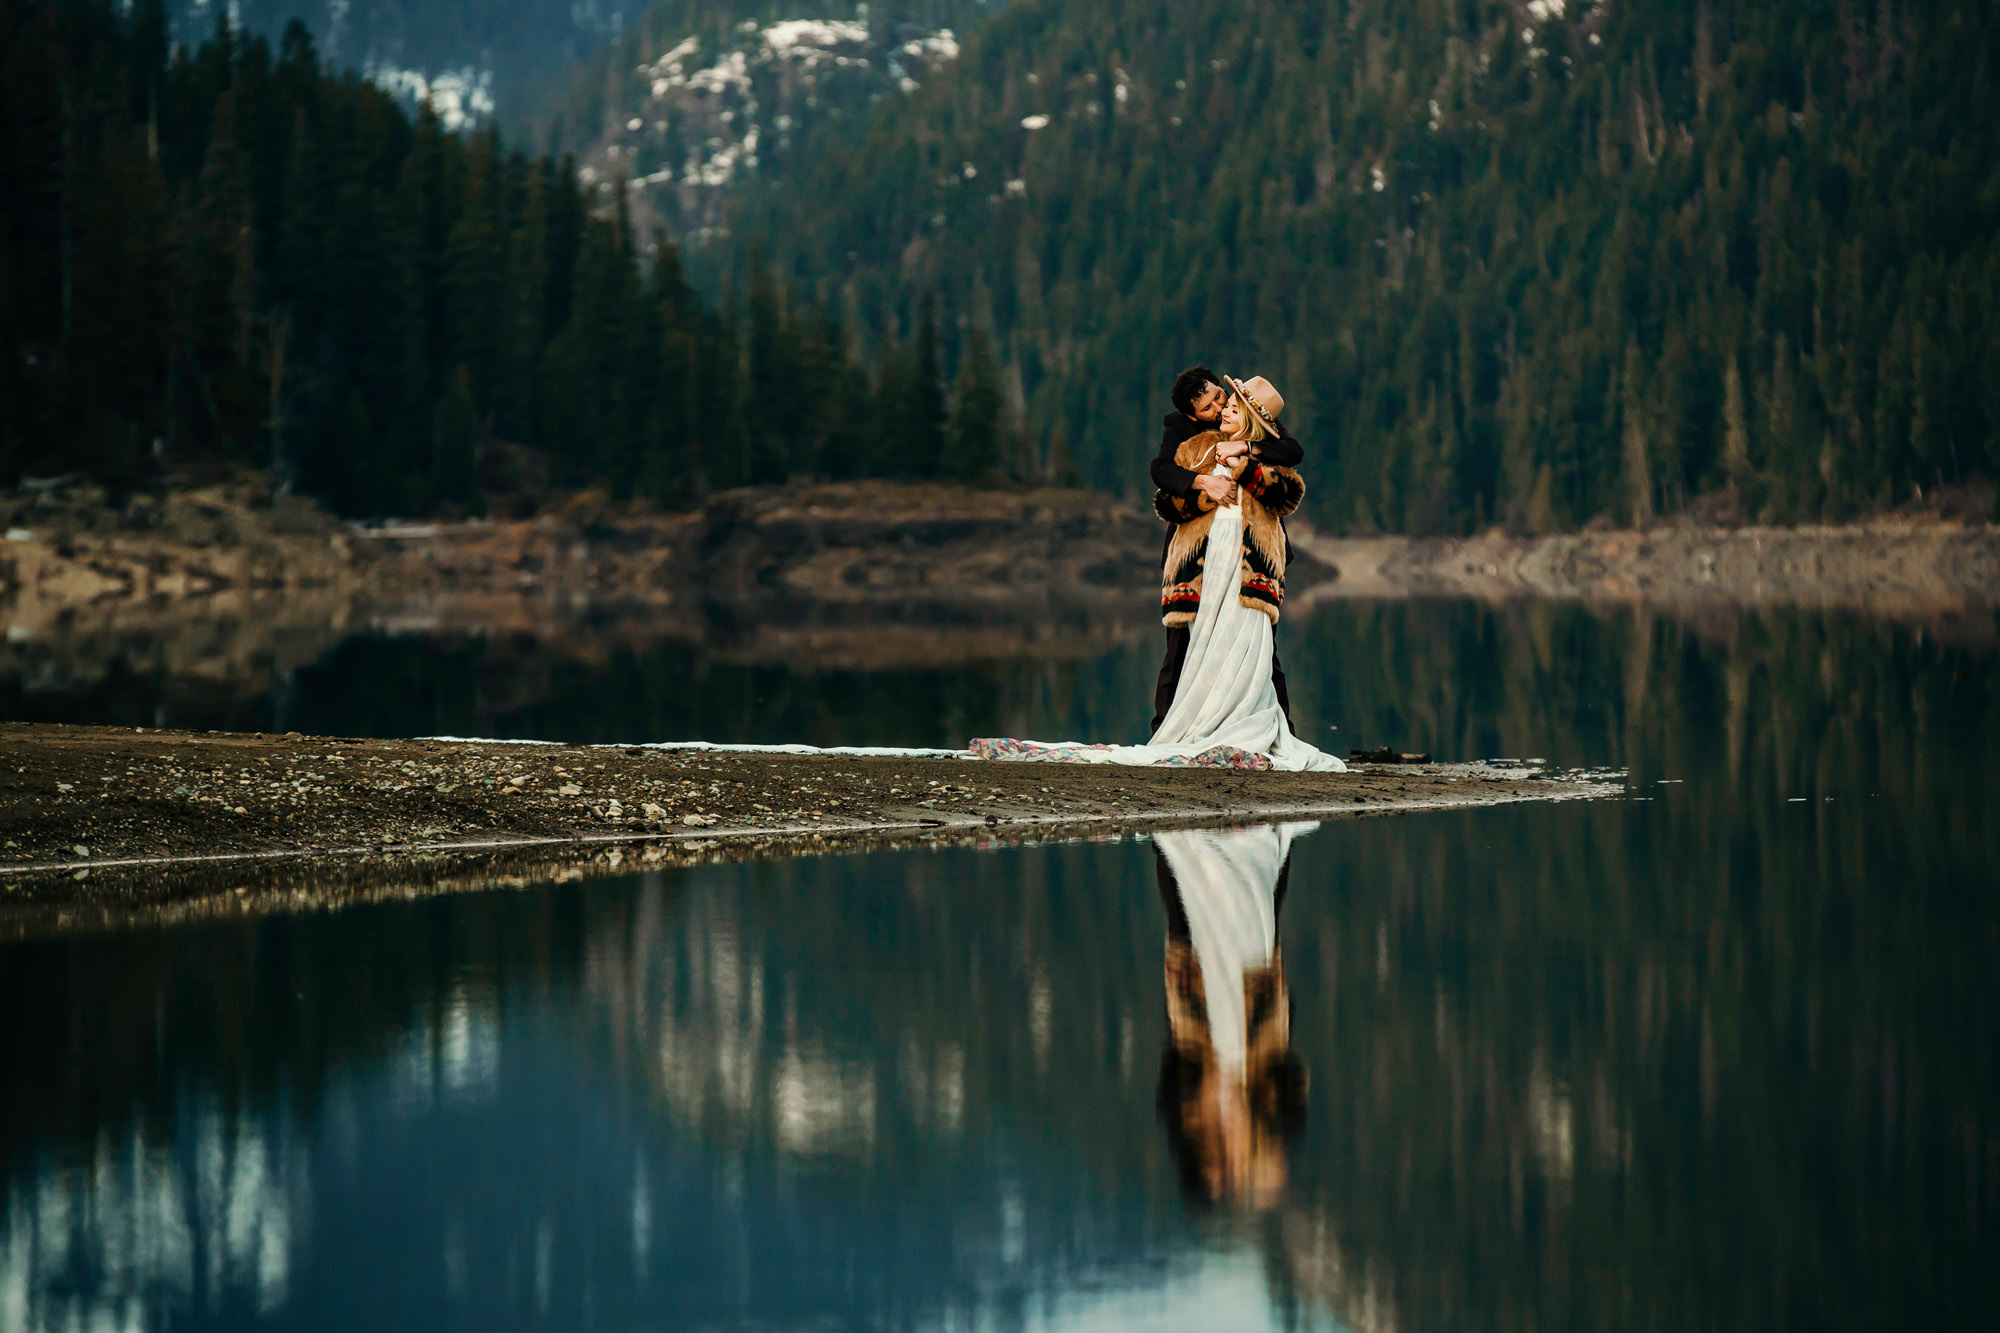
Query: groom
(1198, 400)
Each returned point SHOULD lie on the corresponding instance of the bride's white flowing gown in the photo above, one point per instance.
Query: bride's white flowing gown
(1225, 697)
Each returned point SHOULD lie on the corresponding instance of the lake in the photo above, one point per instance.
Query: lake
(1723, 1054)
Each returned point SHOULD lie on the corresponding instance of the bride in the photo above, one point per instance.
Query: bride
(1224, 578)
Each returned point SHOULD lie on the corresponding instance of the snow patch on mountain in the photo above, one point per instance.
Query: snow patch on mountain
(460, 97)
(812, 40)
(702, 112)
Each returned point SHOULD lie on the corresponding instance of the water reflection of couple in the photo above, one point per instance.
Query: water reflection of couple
(1231, 1092)
(1227, 478)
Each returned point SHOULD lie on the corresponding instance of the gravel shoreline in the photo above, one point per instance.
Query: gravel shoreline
(116, 817)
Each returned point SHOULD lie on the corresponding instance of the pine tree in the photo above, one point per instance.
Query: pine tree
(976, 427)
(455, 444)
(780, 393)
(1638, 471)
(924, 419)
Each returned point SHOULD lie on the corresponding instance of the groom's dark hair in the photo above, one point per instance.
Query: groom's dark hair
(1189, 384)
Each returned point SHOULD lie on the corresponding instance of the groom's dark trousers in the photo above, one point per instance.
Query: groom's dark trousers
(1280, 450)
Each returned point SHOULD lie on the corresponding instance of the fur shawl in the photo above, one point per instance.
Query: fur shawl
(1268, 495)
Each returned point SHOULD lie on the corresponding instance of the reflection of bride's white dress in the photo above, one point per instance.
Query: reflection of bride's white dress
(1225, 701)
(1228, 881)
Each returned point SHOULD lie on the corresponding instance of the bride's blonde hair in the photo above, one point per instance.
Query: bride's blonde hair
(1251, 417)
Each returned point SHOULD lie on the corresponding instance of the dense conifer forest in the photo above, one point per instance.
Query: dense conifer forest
(230, 256)
(1540, 264)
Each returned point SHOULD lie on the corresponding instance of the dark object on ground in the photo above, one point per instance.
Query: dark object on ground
(1385, 755)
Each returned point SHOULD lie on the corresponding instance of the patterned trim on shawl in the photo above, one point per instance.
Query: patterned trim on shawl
(1218, 756)
(1278, 489)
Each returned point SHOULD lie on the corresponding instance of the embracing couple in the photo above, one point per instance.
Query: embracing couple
(1227, 475)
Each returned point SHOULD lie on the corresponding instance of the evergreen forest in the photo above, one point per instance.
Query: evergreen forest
(232, 257)
(1538, 264)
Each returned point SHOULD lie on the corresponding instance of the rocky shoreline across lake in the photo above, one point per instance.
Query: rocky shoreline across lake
(97, 820)
(947, 557)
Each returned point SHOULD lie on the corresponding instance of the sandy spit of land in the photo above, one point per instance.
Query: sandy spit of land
(97, 821)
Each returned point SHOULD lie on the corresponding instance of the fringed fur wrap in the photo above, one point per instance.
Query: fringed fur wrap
(1267, 1008)
(1268, 494)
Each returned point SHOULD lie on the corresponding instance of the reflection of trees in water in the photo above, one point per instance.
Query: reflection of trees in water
(896, 1015)
(1740, 695)
(265, 1010)
(139, 1222)
(885, 682)
(1765, 690)
(938, 1063)
(895, 1054)
(1716, 1059)
(161, 1089)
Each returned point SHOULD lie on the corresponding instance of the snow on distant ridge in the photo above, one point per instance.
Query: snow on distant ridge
(459, 96)
(809, 38)
(940, 45)
(732, 71)
(708, 101)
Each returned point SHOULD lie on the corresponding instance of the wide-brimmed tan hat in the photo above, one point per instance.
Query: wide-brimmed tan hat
(1262, 395)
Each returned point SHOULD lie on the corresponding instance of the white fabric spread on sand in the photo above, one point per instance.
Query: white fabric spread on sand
(1228, 883)
(1225, 697)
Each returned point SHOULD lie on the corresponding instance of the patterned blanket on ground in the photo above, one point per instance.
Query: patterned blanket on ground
(1220, 756)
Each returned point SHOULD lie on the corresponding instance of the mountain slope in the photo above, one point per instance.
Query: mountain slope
(466, 56)
(698, 98)
(1538, 262)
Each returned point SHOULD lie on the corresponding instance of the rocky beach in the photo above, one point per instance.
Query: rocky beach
(111, 818)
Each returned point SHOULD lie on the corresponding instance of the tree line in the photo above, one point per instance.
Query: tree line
(231, 256)
(1539, 265)
(1601, 263)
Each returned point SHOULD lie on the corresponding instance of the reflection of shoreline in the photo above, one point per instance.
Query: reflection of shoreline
(861, 544)
(237, 644)
(1900, 570)
(219, 592)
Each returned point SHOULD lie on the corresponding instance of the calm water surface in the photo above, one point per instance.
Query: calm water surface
(1722, 1055)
